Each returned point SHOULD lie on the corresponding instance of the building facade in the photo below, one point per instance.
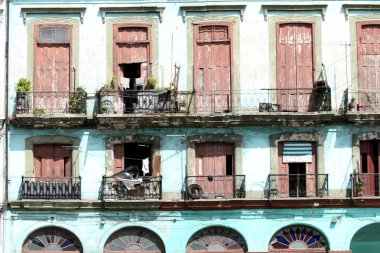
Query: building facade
(193, 126)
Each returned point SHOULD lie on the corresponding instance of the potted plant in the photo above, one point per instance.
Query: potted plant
(23, 88)
(359, 186)
(77, 101)
(151, 83)
(111, 98)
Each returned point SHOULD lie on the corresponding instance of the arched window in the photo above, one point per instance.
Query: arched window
(52, 240)
(134, 239)
(298, 237)
(218, 239)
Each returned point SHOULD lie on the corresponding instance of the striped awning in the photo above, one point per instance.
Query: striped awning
(297, 152)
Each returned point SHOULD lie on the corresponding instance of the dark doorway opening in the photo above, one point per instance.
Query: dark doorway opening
(139, 154)
(297, 179)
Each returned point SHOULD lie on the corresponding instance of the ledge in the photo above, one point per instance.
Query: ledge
(55, 121)
(359, 7)
(284, 7)
(133, 9)
(61, 204)
(182, 205)
(52, 10)
(208, 8)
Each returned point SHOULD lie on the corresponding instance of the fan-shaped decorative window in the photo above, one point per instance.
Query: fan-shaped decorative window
(298, 237)
(216, 239)
(134, 240)
(52, 240)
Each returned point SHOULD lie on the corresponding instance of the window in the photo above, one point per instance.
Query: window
(297, 169)
(132, 55)
(134, 155)
(52, 160)
(369, 167)
(52, 67)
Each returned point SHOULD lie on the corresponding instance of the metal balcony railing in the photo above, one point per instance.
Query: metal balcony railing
(218, 101)
(364, 100)
(49, 102)
(51, 188)
(215, 187)
(297, 185)
(365, 185)
(149, 188)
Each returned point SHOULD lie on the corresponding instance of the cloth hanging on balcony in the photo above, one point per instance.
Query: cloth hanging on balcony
(145, 166)
(297, 152)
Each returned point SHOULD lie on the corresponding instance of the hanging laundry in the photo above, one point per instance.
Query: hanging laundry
(145, 166)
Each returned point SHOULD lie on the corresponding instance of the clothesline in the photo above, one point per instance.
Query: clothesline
(140, 159)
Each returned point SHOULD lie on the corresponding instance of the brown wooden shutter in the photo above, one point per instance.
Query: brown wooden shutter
(156, 165)
(283, 169)
(118, 154)
(52, 160)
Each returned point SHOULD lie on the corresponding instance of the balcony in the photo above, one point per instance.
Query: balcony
(297, 186)
(365, 185)
(364, 101)
(215, 187)
(51, 188)
(51, 109)
(116, 189)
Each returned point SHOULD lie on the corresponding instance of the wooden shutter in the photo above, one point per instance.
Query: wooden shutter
(52, 67)
(283, 170)
(213, 67)
(118, 154)
(157, 166)
(311, 169)
(52, 160)
(295, 65)
(368, 155)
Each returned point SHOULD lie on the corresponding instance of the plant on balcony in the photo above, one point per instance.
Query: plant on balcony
(359, 186)
(352, 104)
(23, 87)
(151, 83)
(77, 101)
(110, 98)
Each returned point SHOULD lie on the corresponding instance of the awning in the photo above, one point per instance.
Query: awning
(297, 152)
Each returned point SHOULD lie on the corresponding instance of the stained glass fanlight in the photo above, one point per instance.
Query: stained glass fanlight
(298, 237)
(134, 239)
(52, 240)
(216, 239)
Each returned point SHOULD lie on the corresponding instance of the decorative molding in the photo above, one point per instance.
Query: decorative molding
(134, 9)
(277, 7)
(36, 10)
(208, 8)
(359, 7)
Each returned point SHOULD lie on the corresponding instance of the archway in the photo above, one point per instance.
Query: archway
(366, 239)
(134, 239)
(216, 239)
(300, 239)
(52, 239)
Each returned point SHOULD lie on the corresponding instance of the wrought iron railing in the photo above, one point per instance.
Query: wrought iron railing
(51, 188)
(135, 101)
(297, 185)
(364, 100)
(149, 188)
(215, 187)
(219, 101)
(49, 102)
(365, 185)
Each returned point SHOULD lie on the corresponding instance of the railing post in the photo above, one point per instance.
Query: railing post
(269, 186)
(160, 187)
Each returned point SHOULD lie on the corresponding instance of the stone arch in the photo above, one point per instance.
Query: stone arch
(136, 239)
(216, 238)
(298, 237)
(52, 239)
(366, 239)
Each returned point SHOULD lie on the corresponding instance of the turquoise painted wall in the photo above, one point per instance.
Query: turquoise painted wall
(175, 228)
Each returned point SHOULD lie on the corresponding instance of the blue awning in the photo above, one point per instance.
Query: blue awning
(297, 152)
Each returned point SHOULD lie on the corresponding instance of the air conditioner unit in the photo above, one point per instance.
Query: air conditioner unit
(320, 84)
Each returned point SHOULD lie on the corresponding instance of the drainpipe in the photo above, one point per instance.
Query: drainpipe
(6, 100)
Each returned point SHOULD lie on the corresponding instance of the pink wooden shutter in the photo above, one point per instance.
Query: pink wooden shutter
(118, 153)
(295, 65)
(311, 169)
(283, 179)
(157, 165)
